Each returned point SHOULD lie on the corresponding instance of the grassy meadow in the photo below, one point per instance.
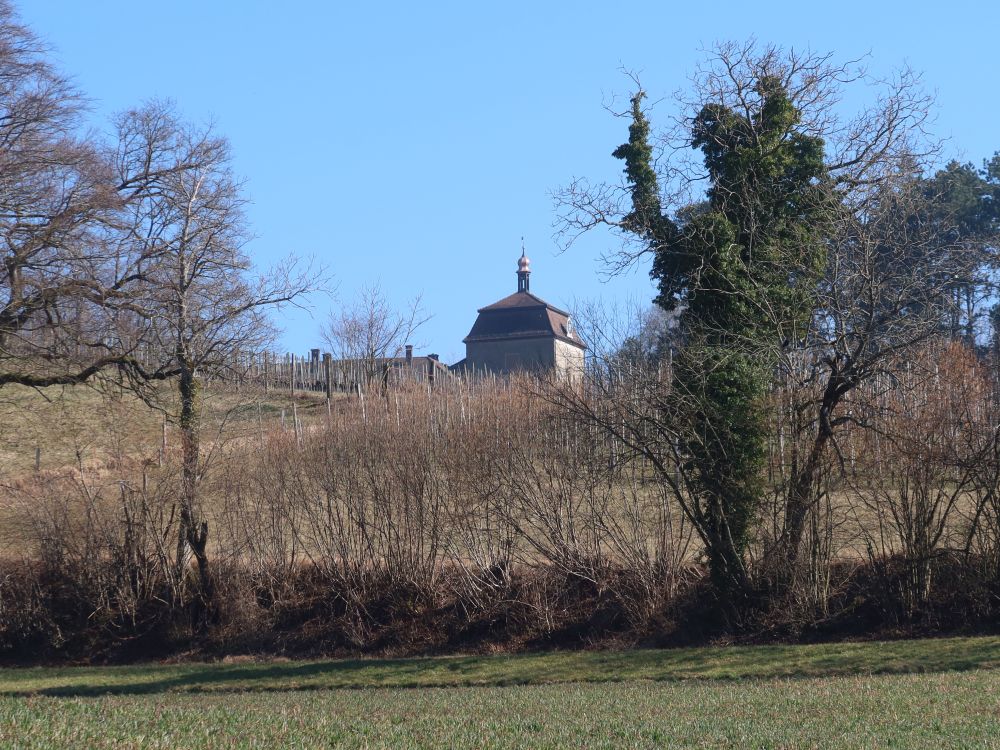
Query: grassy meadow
(907, 694)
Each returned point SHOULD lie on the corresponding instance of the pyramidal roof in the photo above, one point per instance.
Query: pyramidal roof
(523, 315)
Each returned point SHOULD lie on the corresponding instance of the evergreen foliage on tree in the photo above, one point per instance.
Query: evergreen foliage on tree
(743, 270)
(964, 202)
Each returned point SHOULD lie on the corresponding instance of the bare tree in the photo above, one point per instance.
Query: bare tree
(198, 305)
(367, 335)
(124, 257)
(54, 189)
(888, 290)
(74, 259)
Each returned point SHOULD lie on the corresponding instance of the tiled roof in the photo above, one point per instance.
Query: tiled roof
(522, 315)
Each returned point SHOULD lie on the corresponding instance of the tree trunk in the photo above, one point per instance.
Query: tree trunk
(193, 531)
(802, 491)
(800, 499)
(728, 573)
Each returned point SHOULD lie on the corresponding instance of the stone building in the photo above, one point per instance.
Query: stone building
(523, 333)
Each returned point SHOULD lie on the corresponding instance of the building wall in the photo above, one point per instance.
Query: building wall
(568, 361)
(515, 355)
(510, 355)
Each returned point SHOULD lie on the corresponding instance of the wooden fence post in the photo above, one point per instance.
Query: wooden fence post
(163, 441)
(296, 426)
(328, 374)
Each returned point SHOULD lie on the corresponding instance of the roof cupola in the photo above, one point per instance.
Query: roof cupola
(523, 271)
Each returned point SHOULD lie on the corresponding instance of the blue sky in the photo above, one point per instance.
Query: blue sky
(412, 145)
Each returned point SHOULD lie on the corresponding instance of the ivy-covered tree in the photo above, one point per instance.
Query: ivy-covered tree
(744, 269)
(747, 267)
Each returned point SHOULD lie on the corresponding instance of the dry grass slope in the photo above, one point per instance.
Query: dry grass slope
(97, 425)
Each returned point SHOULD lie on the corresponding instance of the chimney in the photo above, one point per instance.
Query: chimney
(433, 356)
(409, 354)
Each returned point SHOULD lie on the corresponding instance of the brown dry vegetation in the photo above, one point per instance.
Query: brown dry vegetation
(480, 515)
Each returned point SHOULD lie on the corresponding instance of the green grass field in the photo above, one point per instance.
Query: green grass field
(919, 694)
